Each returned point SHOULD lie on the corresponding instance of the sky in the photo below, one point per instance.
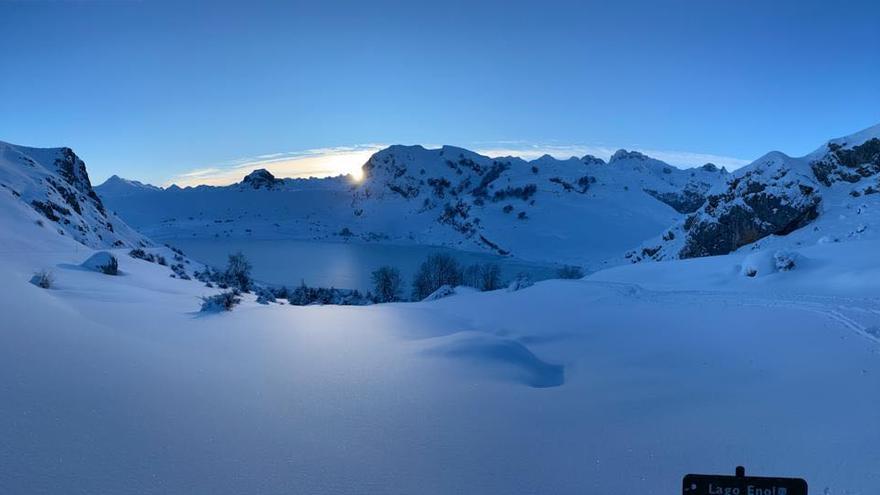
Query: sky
(202, 92)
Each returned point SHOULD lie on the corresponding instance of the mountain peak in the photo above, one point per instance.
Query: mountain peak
(592, 160)
(622, 154)
(260, 178)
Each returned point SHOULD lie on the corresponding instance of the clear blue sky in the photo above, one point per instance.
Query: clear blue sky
(152, 89)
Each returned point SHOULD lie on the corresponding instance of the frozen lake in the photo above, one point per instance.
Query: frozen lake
(340, 265)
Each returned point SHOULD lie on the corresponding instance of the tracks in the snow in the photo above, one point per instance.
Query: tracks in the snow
(861, 315)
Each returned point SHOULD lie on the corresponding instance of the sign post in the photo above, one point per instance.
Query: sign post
(740, 484)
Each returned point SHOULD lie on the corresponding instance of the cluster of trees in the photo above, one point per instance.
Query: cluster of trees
(305, 295)
(237, 274)
(435, 272)
(438, 270)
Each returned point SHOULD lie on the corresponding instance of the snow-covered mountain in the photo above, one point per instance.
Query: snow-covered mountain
(829, 195)
(261, 206)
(577, 210)
(580, 210)
(52, 188)
(601, 368)
(508, 391)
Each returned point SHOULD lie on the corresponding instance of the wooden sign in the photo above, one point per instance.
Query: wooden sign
(710, 484)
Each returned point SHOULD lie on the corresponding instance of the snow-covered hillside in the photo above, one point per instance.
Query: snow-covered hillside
(52, 188)
(580, 210)
(830, 195)
(616, 384)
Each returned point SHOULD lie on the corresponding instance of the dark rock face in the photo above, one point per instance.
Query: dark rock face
(592, 160)
(688, 200)
(849, 165)
(753, 206)
(73, 170)
(261, 178)
(627, 155)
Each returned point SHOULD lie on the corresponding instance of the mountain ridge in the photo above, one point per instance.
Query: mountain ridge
(423, 199)
(54, 186)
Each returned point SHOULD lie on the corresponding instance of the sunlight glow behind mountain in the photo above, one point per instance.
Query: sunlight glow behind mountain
(348, 160)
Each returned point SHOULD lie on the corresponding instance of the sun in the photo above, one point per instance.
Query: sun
(357, 173)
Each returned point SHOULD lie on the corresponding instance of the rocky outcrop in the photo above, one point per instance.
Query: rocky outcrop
(55, 184)
(775, 195)
(848, 164)
(261, 179)
(754, 205)
(688, 200)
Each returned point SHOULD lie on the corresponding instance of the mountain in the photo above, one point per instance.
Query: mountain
(500, 388)
(580, 210)
(261, 206)
(51, 188)
(117, 186)
(829, 195)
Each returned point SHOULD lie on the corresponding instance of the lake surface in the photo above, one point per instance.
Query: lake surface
(340, 265)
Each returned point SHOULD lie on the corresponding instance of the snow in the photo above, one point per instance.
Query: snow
(565, 222)
(99, 261)
(618, 383)
(117, 384)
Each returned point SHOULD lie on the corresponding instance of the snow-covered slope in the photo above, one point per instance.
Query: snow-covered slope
(830, 195)
(51, 187)
(116, 384)
(580, 210)
(608, 385)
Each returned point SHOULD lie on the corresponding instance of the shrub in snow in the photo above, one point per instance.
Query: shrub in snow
(785, 260)
(238, 272)
(570, 272)
(43, 279)
(300, 295)
(482, 276)
(520, 282)
(179, 271)
(174, 249)
(264, 295)
(443, 291)
(103, 262)
(436, 271)
(140, 254)
(387, 284)
(305, 295)
(210, 275)
(760, 263)
(223, 301)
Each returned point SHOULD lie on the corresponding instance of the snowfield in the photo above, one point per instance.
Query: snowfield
(619, 383)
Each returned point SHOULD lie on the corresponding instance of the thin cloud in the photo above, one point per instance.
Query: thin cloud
(317, 162)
